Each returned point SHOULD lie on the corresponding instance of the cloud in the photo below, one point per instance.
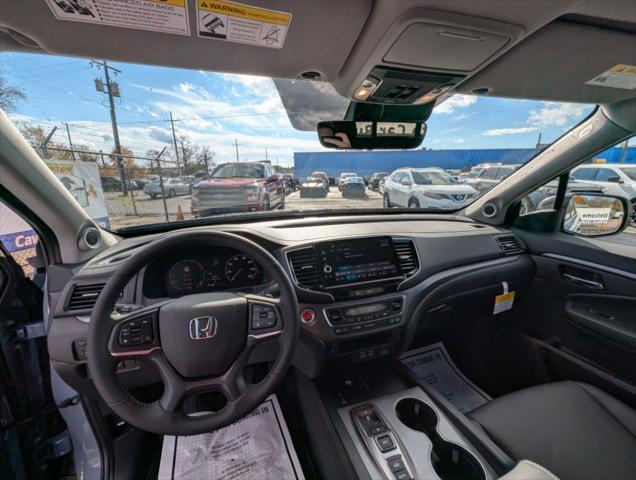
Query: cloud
(496, 132)
(556, 114)
(459, 140)
(454, 102)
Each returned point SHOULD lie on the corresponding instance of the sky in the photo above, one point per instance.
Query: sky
(216, 109)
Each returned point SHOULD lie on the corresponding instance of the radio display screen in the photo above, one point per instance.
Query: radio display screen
(346, 262)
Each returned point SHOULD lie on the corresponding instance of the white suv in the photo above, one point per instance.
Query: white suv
(617, 178)
(426, 188)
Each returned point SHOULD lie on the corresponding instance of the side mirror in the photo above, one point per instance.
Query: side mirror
(406, 182)
(593, 215)
(615, 179)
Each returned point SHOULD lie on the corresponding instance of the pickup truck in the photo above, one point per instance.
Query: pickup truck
(238, 187)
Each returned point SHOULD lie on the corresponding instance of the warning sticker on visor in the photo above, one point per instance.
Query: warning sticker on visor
(238, 23)
(619, 76)
(166, 16)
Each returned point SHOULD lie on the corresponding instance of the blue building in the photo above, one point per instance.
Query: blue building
(367, 162)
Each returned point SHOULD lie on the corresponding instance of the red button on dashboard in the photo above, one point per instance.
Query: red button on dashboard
(307, 315)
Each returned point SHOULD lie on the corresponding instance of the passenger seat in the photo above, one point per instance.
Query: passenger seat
(575, 430)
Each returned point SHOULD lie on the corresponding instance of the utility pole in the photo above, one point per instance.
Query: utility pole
(46, 141)
(207, 166)
(113, 91)
(236, 146)
(624, 152)
(174, 138)
(70, 143)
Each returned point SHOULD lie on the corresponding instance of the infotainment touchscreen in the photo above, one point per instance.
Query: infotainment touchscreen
(346, 262)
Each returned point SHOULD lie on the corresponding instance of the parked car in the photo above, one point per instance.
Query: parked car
(374, 180)
(425, 188)
(291, 183)
(543, 197)
(381, 184)
(343, 176)
(353, 187)
(618, 179)
(171, 188)
(324, 177)
(313, 187)
(111, 184)
(238, 187)
(488, 176)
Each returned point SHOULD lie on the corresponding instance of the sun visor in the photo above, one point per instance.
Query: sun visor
(566, 62)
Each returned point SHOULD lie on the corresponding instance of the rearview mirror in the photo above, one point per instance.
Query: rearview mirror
(371, 135)
(592, 215)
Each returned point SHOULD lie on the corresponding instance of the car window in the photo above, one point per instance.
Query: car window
(432, 178)
(504, 172)
(20, 241)
(396, 177)
(630, 172)
(603, 174)
(489, 173)
(584, 173)
(222, 127)
(238, 170)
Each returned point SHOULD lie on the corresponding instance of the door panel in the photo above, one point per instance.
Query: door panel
(582, 310)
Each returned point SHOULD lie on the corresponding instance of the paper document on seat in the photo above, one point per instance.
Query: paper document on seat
(434, 366)
(257, 446)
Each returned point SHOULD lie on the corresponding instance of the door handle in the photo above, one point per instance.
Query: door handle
(584, 282)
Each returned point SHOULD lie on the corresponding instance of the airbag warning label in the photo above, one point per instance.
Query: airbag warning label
(166, 16)
(238, 23)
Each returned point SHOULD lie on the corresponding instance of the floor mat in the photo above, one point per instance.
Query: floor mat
(434, 366)
(258, 446)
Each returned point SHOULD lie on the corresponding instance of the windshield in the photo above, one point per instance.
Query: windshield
(238, 170)
(432, 178)
(630, 172)
(182, 145)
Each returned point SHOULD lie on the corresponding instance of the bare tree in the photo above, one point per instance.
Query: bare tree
(10, 96)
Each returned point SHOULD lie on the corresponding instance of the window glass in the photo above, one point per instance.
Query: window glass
(20, 241)
(584, 173)
(489, 173)
(432, 178)
(603, 174)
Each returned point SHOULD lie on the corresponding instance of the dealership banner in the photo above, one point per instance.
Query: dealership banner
(82, 180)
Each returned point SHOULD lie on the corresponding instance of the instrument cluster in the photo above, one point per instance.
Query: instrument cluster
(201, 270)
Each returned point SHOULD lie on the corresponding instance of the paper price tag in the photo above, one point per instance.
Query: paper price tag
(504, 301)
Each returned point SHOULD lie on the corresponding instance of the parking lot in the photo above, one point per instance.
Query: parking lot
(122, 209)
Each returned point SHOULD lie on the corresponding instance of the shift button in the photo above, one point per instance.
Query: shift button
(385, 443)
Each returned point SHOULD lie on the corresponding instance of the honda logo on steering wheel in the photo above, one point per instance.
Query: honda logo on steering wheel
(202, 327)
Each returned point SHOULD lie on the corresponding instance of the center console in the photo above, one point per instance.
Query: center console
(404, 436)
(356, 305)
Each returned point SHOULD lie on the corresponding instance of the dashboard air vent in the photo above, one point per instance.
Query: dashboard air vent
(305, 267)
(84, 296)
(407, 255)
(508, 244)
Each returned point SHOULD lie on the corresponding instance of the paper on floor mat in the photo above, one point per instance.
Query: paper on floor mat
(434, 365)
(258, 446)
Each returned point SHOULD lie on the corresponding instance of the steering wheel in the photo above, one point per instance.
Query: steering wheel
(198, 342)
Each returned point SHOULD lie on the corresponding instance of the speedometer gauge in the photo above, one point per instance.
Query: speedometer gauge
(241, 268)
(186, 275)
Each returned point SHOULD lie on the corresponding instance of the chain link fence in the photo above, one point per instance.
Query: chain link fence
(136, 190)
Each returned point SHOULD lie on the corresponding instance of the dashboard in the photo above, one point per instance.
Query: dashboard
(201, 270)
(364, 286)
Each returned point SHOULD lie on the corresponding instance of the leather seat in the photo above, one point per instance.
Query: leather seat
(573, 429)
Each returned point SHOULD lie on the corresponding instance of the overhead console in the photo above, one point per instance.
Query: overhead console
(427, 53)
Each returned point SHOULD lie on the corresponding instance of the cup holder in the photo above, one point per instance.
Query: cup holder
(450, 461)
